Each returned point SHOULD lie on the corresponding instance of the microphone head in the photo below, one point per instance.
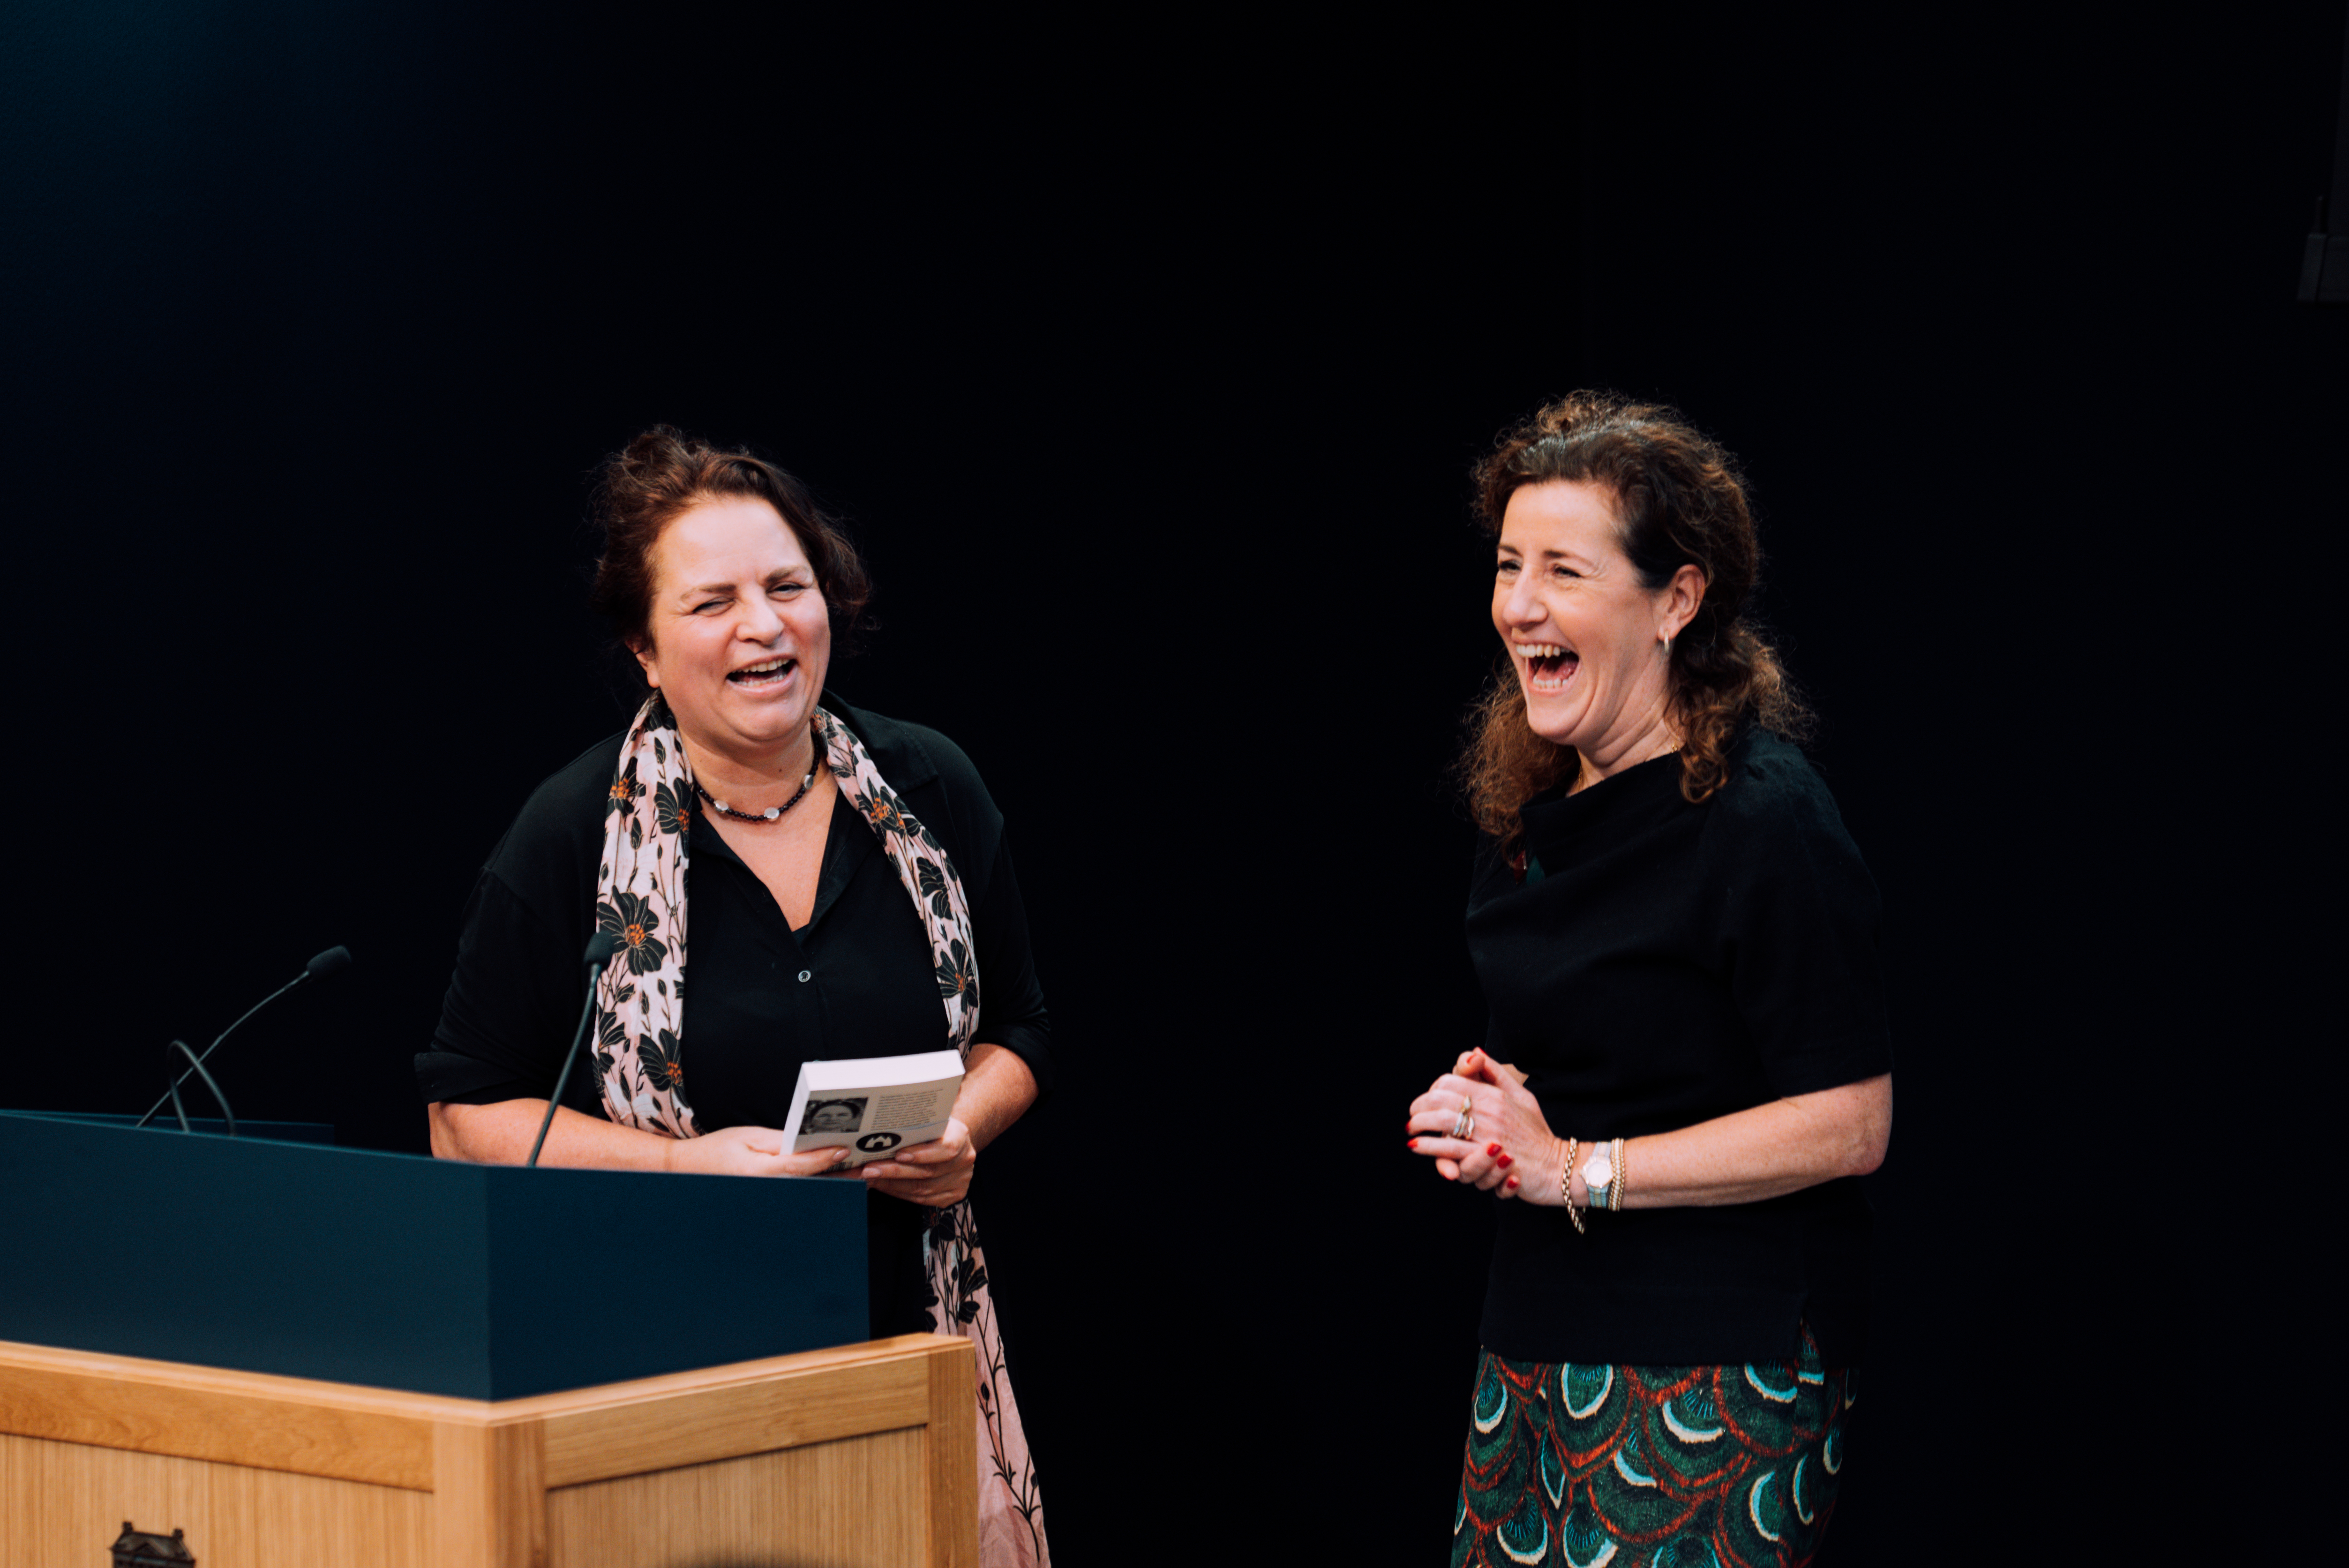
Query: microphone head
(333, 961)
(602, 945)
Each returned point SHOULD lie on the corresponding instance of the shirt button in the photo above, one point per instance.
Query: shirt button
(806, 976)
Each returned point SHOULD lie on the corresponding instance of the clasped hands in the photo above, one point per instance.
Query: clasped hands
(1509, 1151)
(933, 1174)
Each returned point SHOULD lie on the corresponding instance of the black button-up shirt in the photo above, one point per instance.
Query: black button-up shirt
(857, 980)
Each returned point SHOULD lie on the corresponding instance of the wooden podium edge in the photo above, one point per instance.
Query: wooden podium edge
(489, 1465)
(383, 1436)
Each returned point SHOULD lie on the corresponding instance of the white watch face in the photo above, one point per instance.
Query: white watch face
(1598, 1172)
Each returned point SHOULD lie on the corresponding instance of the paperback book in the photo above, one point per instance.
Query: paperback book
(874, 1105)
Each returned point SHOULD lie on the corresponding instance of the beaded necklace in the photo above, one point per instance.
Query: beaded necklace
(768, 815)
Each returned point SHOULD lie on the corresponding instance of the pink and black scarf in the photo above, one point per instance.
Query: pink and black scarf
(640, 1022)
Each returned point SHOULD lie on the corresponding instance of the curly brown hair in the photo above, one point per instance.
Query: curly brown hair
(1681, 502)
(647, 484)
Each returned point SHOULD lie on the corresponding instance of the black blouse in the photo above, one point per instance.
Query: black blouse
(1663, 964)
(856, 981)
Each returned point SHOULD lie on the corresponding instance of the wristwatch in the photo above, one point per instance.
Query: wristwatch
(1599, 1175)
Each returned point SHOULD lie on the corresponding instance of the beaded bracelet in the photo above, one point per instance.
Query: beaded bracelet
(1566, 1187)
(1615, 1188)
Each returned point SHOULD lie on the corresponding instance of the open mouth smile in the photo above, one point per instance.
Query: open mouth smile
(764, 677)
(1548, 666)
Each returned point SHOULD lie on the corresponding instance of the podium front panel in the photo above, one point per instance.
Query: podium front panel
(398, 1272)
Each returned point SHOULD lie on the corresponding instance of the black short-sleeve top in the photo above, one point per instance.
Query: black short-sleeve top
(1659, 964)
(858, 980)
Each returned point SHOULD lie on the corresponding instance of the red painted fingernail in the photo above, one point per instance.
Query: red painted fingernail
(1505, 1162)
(1513, 1180)
(1492, 1148)
(1413, 1144)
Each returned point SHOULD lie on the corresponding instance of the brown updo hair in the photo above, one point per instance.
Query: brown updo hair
(649, 483)
(1681, 500)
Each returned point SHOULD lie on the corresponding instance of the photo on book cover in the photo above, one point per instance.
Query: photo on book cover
(833, 1116)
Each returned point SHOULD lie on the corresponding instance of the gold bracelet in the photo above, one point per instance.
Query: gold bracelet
(1566, 1187)
(1615, 1188)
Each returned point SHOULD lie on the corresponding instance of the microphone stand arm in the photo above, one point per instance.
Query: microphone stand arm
(587, 1017)
(198, 1062)
(196, 1067)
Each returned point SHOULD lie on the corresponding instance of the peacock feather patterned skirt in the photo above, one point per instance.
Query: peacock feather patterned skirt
(1650, 1467)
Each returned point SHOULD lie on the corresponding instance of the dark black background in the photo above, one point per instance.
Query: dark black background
(1147, 366)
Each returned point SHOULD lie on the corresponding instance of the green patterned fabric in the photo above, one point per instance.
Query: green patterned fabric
(1650, 1467)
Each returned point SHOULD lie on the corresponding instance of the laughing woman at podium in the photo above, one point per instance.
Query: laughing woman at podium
(848, 885)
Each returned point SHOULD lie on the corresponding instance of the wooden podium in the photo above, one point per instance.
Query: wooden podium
(496, 1394)
(863, 1454)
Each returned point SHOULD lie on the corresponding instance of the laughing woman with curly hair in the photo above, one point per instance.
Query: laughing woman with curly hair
(1688, 1065)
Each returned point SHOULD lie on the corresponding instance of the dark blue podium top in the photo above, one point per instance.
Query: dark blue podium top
(484, 1282)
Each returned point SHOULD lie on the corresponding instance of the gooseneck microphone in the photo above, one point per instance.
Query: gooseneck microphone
(600, 948)
(333, 961)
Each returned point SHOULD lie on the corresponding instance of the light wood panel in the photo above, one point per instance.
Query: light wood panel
(695, 1426)
(64, 1503)
(952, 1439)
(864, 1452)
(269, 1519)
(838, 1504)
(67, 1503)
(489, 1489)
(199, 1412)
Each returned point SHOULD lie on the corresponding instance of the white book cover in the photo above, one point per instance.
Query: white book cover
(874, 1105)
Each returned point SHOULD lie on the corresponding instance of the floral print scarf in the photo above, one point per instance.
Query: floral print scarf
(640, 1021)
